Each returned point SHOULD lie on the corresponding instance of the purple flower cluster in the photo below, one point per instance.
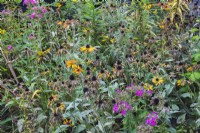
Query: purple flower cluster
(28, 2)
(6, 12)
(38, 12)
(121, 107)
(152, 119)
(139, 90)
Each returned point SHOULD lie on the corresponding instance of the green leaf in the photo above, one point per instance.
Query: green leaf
(168, 88)
(195, 76)
(181, 118)
(61, 128)
(17, 1)
(11, 103)
(80, 128)
(184, 95)
(41, 117)
(175, 107)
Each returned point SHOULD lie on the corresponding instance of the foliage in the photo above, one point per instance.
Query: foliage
(85, 66)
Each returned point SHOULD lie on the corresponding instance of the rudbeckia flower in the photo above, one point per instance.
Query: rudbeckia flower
(77, 69)
(70, 63)
(157, 80)
(87, 48)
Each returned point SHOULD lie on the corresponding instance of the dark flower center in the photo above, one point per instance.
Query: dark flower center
(87, 46)
(71, 77)
(157, 79)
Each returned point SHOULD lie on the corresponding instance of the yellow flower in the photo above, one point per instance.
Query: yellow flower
(105, 38)
(180, 82)
(59, 23)
(162, 26)
(155, 12)
(157, 80)
(55, 97)
(75, 1)
(68, 122)
(47, 51)
(87, 48)
(148, 86)
(85, 31)
(147, 7)
(62, 106)
(77, 69)
(58, 5)
(89, 61)
(112, 40)
(40, 53)
(2, 31)
(70, 63)
(189, 69)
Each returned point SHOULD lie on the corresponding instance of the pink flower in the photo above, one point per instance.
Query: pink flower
(35, 8)
(40, 16)
(116, 108)
(119, 91)
(152, 119)
(150, 92)
(44, 10)
(31, 36)
(123, 112)
(5, 12)
(10, 47)
(139, 93)
(33, 15)
(28, 2)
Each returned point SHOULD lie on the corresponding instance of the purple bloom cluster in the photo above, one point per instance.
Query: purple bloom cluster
(139, 90)
(121, 107)
(38, 12)
(152, 119)
(28, 2)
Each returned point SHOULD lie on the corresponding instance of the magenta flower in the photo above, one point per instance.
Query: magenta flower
(119, 91)
(123, 112)
(10, 47)
(28, 2)
(150, 92)
(33, 15)
(152, 119)
(31, 36)
(39, 16)
(139, 93)
(35, 8)
(116, 108)
(44, 10)
(5, 12)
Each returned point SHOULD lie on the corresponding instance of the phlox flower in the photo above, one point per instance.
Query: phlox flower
(9, 47)
(28, 2)
(152, 119)
(139, 93)
(116, 108)
(33, 15)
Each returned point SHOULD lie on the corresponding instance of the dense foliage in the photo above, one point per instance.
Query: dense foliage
(110, 67)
